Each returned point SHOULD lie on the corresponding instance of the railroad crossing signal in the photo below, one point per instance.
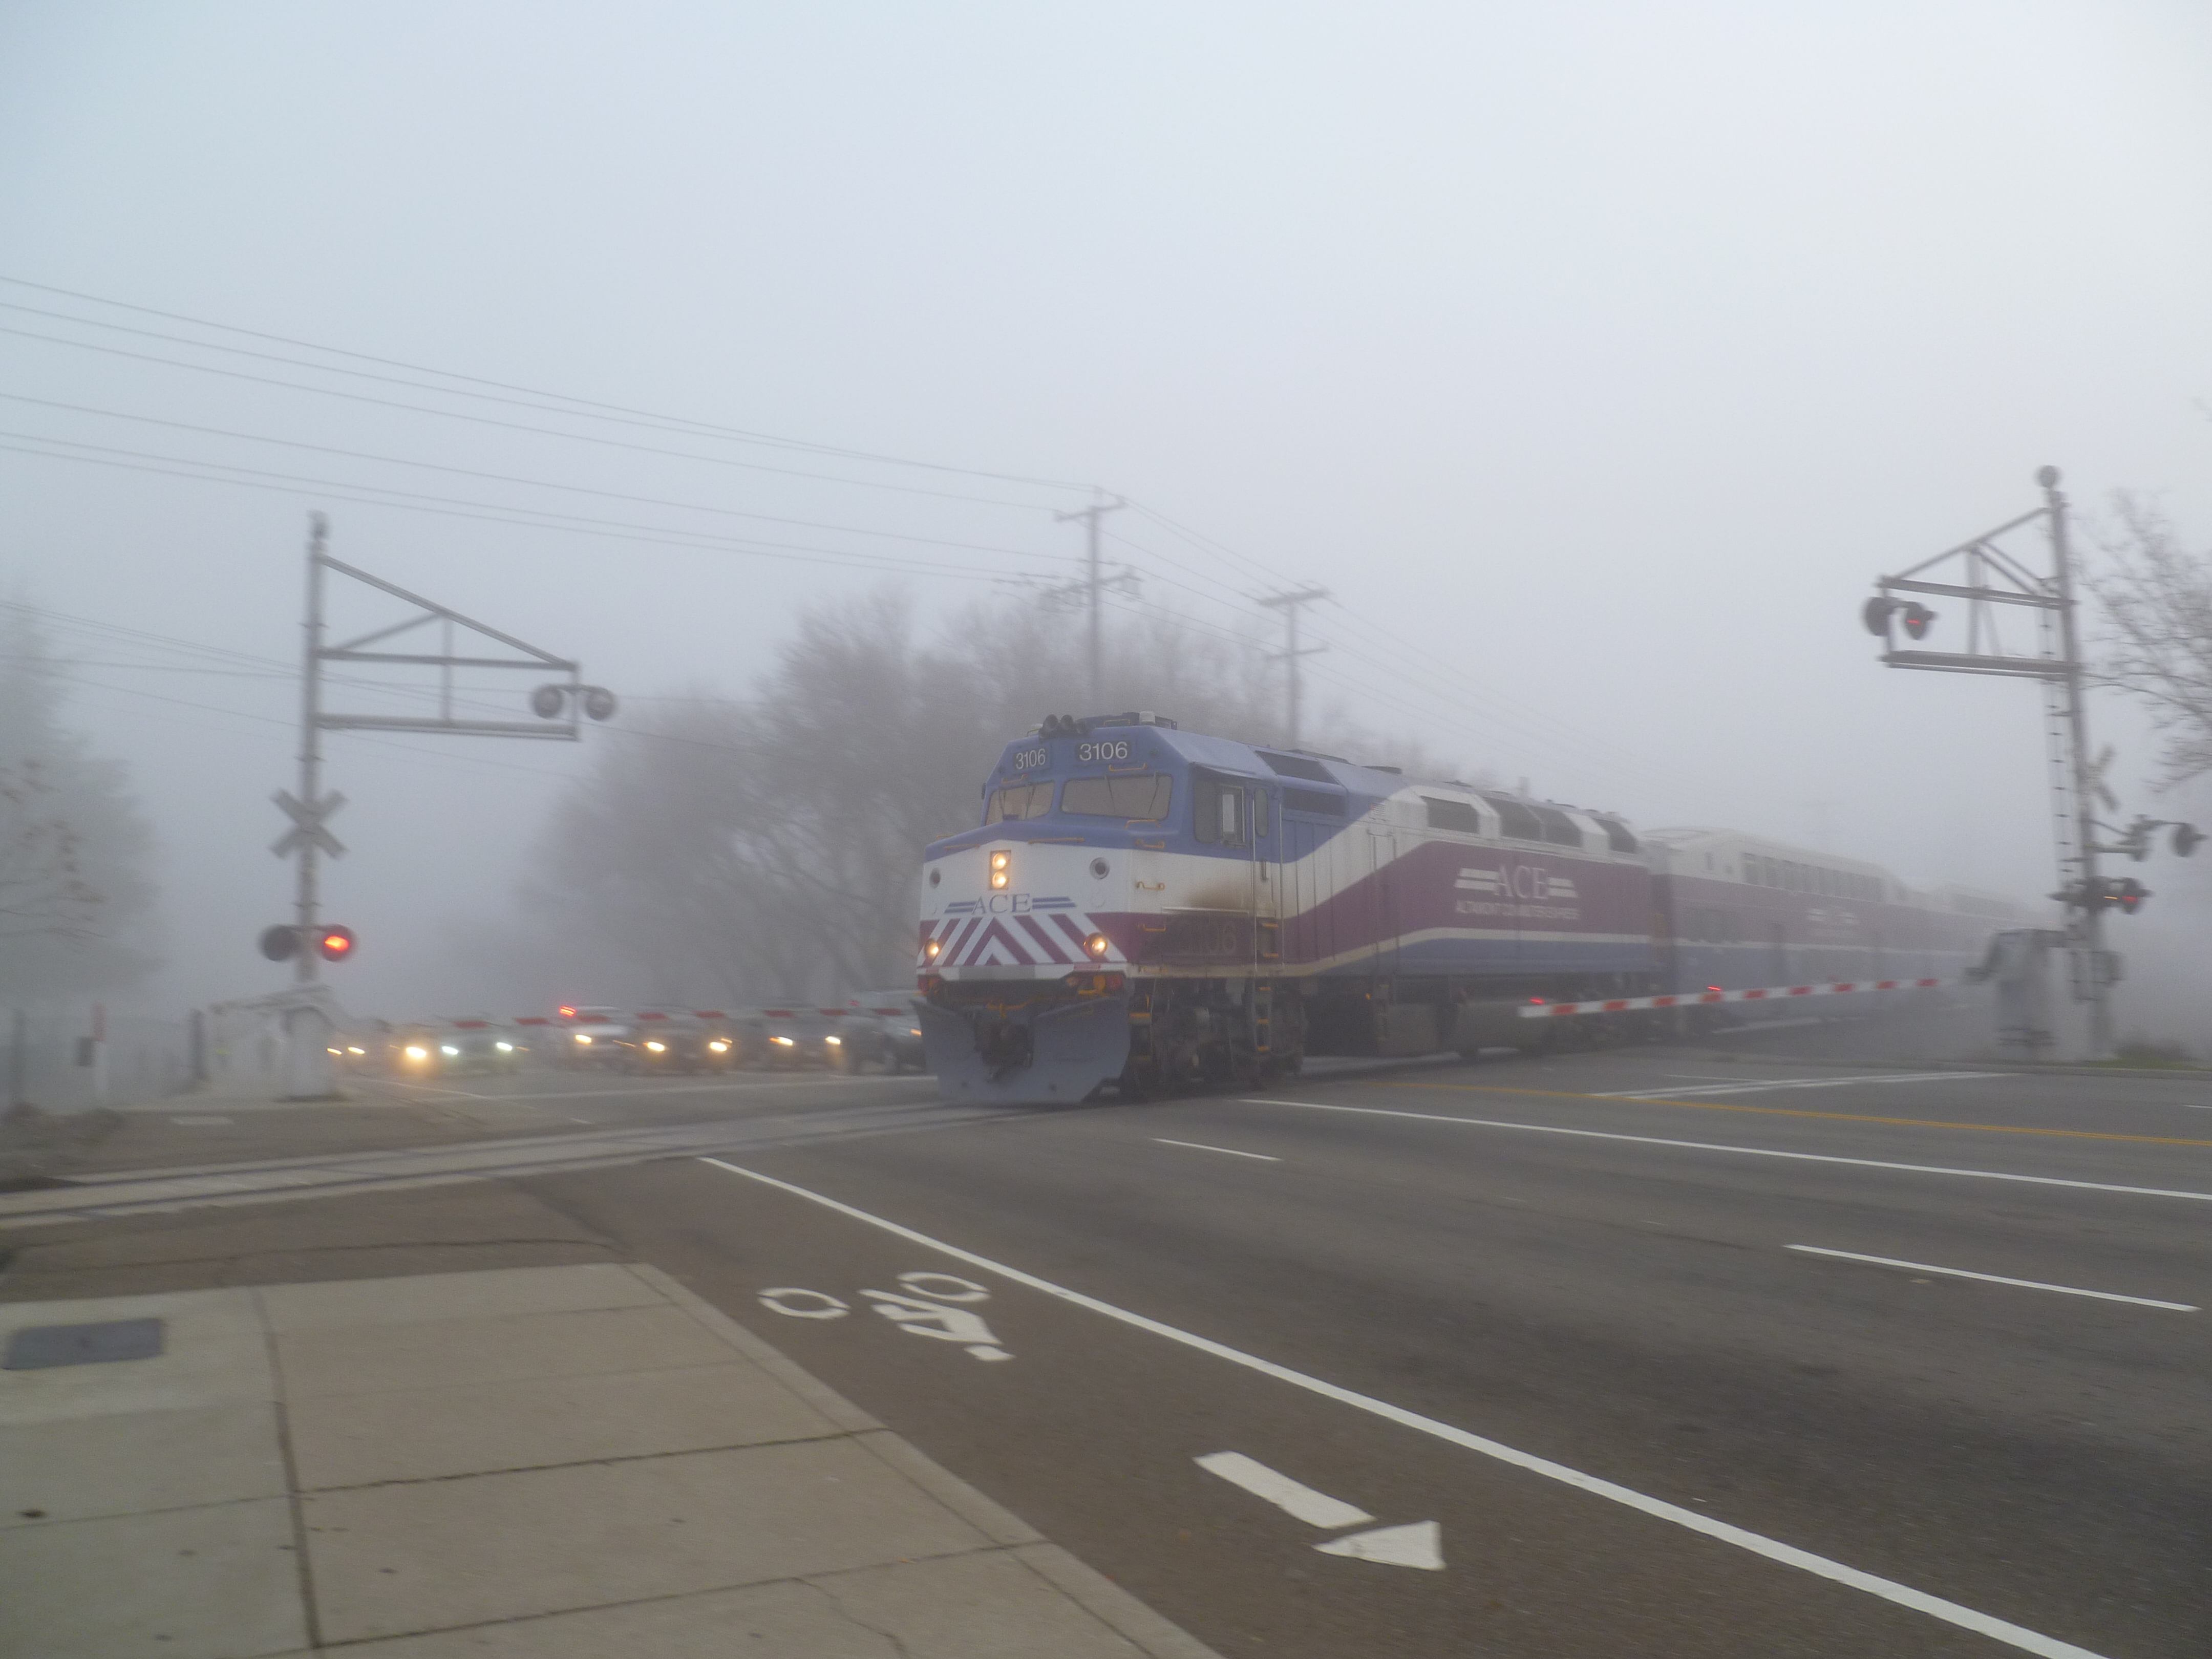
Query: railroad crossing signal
(2124, 893)
(307, 826)
(282, 943)
(1878, 611)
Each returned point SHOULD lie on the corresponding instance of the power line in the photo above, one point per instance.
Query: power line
(490, 513)
(507, 478)
(629, 416)
(519, 426)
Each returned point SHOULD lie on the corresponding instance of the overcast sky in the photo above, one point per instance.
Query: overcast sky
(1595, 357)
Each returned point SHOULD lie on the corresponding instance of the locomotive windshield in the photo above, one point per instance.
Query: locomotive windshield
(1144, 797)
(1017, 801)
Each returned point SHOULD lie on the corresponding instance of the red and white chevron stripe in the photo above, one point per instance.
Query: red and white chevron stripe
(1700, 999)
(1032, 939)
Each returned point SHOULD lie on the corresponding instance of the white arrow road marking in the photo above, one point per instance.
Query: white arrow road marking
(1418, 1545)
(932, 1319)
(1292, 1497)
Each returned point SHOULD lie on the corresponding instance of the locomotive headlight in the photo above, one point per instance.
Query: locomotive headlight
(656, 1047)
(1097, 944)
(931, 949)
(999, 873)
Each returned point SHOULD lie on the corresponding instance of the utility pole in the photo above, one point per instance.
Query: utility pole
(1993, 579)
(2085, 921)
(1289, 604)
(1092, 584)
(307, 1057)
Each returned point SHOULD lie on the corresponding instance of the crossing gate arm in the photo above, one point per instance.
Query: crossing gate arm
(1707, 999)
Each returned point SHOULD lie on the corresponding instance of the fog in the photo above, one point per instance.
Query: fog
(1596, 358)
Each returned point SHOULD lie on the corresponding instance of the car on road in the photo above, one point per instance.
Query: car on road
(592, 1036)
(479, 1046)
(662, 1043)
(879, 1027)
(787, 1037)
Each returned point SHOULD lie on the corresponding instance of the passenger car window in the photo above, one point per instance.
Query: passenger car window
(1515, 818)
(1458, 815)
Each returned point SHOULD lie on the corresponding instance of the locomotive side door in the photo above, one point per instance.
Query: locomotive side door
(1382, 852)
(1266, 882)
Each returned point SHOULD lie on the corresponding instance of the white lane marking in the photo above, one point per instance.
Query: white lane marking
(824, 1306)
(1746, 1151)
(1733, 1086)
(1418, 1545)
(1995, 1278)
(1199, 1146)
(1951, 1613)
(1295, 1498)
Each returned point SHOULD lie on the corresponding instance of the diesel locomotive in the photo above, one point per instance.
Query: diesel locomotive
(1159, 909)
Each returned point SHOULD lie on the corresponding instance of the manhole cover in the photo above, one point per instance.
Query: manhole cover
(39, 1347)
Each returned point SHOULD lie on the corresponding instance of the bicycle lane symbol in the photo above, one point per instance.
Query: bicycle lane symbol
(932, 1309)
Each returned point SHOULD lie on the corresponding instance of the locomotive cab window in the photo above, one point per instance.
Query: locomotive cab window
(1017, 801)
(1145, 796)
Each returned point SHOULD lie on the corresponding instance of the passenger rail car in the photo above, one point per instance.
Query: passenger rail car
(1162, 909)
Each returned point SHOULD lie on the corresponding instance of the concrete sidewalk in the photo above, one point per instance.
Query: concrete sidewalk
(558, 1462)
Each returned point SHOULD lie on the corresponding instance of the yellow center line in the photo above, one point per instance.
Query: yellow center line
(1795, 1111)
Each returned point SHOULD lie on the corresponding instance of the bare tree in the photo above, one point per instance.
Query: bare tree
(76, 900)
(43, 891)
(2157, 640)
(768, 849)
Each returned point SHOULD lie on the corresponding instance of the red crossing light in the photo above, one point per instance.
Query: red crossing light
(336, 943)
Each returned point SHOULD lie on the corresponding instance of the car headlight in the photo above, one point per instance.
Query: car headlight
(584, 1038)
(785, 1041)
(356, 1051)
(916, 1032)
(448, 1048)
(656, 1047)
(718, 1047)
(333, 1051)
(415, 1051)
(835, 1042)
(504, 1047)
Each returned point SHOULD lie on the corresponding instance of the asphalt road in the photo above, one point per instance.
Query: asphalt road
(1635, 1374)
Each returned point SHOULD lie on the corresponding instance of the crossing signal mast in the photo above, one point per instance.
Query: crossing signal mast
(308, 941)
(1990, 577)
